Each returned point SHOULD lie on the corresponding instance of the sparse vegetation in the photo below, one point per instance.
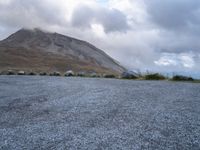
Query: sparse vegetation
(94, 75)
(109, 76)
(10, 72)
(125, 75)
(182, 78)
(154, 76)
(81, 74)
(56, 73)
(196, 81)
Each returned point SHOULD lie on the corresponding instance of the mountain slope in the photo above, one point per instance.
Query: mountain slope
(37, 50)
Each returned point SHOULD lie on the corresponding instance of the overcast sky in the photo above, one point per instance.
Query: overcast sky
(154, 35)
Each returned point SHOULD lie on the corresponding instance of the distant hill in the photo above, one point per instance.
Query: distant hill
(37, 50)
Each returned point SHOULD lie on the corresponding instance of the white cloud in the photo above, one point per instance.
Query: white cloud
(98, 30)
(176, 60)
(165, 61)
(187, 60)
(5, 2)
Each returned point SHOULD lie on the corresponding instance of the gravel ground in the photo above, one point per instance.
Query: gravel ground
(82, 113)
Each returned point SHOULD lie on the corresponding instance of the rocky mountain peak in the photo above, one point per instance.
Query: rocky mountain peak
(31, 41)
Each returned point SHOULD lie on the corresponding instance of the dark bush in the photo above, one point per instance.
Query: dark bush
(109, 76)
(10, 72)
(182, 78)
(31, 73)
(43, 73)
(155, 76)
(81, 74)
(55, 74)
(95, 75)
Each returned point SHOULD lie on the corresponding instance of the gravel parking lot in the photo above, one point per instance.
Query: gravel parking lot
(87, 113)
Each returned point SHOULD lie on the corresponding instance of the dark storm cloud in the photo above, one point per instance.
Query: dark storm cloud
(178, 24)
(176, 42)
(111, 19)
(82, 17)
(175, 14)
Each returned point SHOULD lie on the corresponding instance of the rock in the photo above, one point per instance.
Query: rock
(129, 75)
(10, 72)
(69, 73)
(21, 73)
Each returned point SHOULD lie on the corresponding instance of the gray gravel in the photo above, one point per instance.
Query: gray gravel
(81, 113)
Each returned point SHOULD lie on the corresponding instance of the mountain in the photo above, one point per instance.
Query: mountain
(37, 50)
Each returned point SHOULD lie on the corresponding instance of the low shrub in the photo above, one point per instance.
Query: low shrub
(94, 75)
(109, 76)
(182, 78)
(51, 74)
(43, 74)
(155, 76)
(55, 74)
(10, 72)
(81, 74)
(32, 73)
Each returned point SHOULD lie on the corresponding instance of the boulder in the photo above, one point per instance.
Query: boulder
(10, 72)
(56, 73)
(69, 73)
(129, 75)
(21, 72)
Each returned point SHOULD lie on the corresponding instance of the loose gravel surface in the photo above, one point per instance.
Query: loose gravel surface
(81, 113)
